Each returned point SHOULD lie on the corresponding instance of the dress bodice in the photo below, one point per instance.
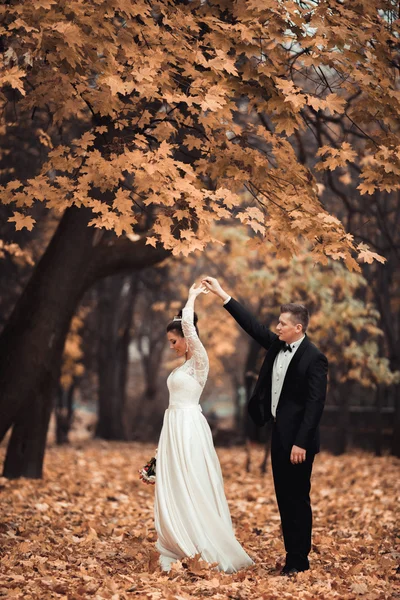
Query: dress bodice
(186, 382)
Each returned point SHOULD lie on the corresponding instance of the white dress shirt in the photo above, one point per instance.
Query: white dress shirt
(281, 363)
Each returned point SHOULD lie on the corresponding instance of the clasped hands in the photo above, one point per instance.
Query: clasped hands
(207, 284)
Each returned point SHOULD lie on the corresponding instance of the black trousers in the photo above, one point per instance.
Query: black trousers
(292, 488)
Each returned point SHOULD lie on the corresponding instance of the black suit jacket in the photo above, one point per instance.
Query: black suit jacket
(304, 390)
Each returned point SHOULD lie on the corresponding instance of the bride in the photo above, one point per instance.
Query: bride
(191, 512)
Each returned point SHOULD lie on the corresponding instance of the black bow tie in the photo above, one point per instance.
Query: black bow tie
(286, 347)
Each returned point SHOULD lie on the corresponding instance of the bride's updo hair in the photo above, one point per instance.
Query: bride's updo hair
(177, 325)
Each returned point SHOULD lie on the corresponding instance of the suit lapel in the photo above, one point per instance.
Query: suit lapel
(295, 360)
(270, 358)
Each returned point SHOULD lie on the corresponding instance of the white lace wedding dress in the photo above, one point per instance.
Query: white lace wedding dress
(191, 511)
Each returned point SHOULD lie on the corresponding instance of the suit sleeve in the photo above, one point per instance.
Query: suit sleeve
(316, 393)
(259, 332)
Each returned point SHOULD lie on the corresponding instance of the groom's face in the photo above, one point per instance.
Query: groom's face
(287, 329)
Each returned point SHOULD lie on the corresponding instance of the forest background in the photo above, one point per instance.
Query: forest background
(144, 147)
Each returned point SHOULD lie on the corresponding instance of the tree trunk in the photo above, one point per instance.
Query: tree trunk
(395, 449)
(240, 404)
(378, 421)
(146, 422)
(115, 315)
(390, 323)
(32, 342)
(250, 378)
(251, 432)
(26, 448)
(149, 332)
(342, 436)
(64, 413)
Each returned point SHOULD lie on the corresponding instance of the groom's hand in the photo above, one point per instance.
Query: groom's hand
(213, 285)
(297, 455)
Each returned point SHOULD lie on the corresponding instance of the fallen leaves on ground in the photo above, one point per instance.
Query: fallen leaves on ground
(86, 531)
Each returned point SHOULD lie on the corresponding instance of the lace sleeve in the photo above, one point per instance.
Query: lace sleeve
(200, 358)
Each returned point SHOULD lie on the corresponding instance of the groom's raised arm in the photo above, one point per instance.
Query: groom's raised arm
(261, 333)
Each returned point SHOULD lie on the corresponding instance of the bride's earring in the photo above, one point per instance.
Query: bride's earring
(187, 347)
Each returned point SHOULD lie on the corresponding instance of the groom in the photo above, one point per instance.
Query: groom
(290, 392)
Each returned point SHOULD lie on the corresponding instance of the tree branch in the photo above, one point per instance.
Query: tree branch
(121, 254)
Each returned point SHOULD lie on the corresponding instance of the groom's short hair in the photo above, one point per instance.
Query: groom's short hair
(299, 312)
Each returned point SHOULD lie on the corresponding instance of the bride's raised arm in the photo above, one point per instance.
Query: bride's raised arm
(200, 358)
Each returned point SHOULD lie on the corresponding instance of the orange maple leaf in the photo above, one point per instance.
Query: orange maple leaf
(22, 221)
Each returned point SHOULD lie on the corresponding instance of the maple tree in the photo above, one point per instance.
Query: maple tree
(163, 86)
(180, 107)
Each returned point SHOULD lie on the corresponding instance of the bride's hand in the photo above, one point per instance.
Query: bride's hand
(195, 291)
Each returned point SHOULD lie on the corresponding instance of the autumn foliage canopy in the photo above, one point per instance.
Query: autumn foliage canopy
(187, 109)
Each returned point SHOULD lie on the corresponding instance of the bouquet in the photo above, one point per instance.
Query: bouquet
(148, 473)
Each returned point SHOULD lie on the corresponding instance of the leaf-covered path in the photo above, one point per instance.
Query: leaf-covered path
(86, 531)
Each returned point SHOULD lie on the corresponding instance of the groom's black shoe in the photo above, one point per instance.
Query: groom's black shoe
(289, 571)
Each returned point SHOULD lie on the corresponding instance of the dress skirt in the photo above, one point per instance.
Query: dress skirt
(191, 512)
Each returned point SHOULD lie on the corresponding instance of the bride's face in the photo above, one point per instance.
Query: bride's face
(177, 343)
